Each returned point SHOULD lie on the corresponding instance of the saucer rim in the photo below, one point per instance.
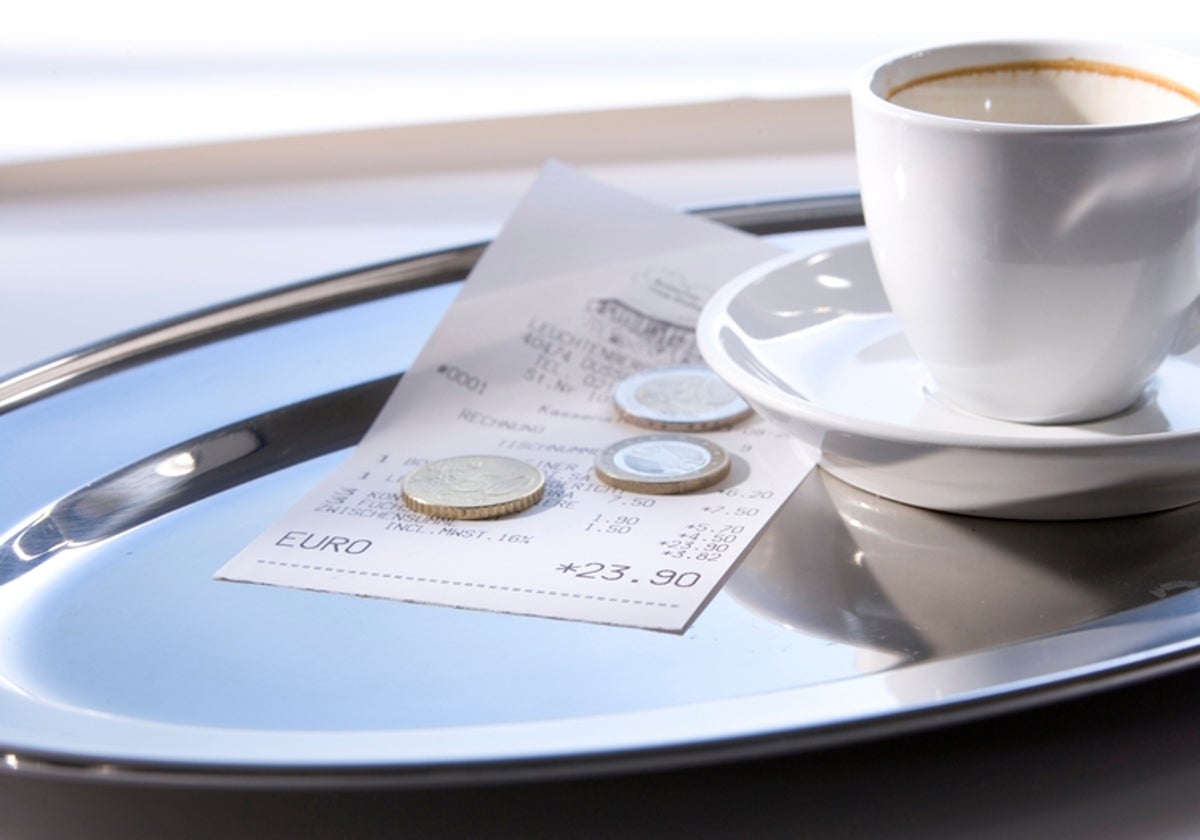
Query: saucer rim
(715, 314)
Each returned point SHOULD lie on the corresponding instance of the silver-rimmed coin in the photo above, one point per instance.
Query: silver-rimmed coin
(473, 487)
(681, 398)
(662, 464)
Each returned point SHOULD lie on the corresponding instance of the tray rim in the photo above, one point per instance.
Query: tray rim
(332, 292)
(357, 285)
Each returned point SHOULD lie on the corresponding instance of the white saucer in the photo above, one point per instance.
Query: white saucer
(811, 343)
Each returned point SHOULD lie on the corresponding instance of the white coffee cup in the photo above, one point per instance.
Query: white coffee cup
(1034, 212)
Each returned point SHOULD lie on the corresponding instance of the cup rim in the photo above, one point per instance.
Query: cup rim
(865, 82)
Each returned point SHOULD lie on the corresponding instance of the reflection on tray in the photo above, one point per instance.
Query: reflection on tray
(917, 584)
(193, 470)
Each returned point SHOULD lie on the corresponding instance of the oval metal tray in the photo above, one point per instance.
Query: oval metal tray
(851, 618)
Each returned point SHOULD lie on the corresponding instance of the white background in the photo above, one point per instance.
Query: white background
(79, 77)
(94, 246)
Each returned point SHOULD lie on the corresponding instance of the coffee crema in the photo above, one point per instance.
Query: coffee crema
(1067, 91)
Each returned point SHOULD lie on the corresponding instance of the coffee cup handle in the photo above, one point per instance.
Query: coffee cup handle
(1189, 334)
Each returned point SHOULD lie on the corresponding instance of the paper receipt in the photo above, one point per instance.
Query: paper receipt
(584, 286)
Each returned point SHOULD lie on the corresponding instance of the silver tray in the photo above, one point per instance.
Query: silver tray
(851, 618)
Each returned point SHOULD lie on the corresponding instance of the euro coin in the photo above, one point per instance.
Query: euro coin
(473, 487)
(680, 398)
(662, 464)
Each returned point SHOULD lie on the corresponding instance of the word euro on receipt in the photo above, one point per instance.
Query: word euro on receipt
(583, 287)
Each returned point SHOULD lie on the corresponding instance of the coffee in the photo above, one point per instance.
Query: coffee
(1048, 92)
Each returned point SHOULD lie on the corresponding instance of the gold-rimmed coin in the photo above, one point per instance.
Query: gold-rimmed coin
(662, 464)
(682, 398)
(473, 487)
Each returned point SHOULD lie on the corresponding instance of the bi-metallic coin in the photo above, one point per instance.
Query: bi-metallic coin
(662, 464)
(682, 398)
